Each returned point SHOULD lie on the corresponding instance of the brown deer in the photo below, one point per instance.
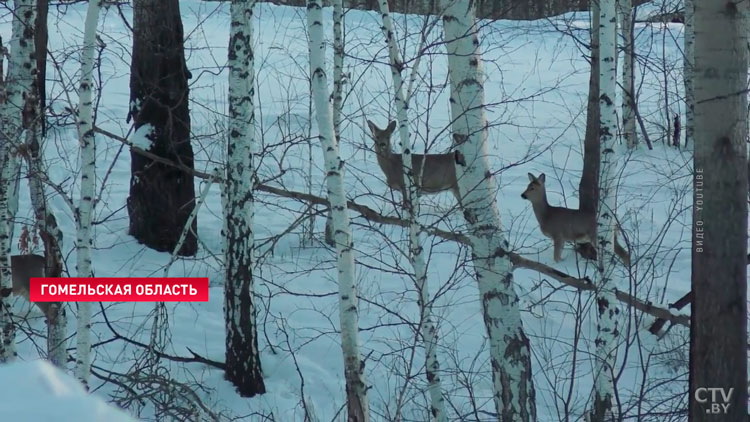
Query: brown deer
(564, 224)
(23, 268)
(438, 175)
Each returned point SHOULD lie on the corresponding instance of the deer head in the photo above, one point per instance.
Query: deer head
(535, 191)
(382, 137)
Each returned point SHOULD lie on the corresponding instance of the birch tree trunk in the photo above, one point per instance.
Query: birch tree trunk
(7, 328)
(49, 231)
(17, 86)
(628, 81)
(718, 323)
(243, 365)
(338, 99)
(356, 388)
(411, 203)
(607, 311)
(7, 335)
(510, 356)
(84, 240)
(688, 71)
(41, 34)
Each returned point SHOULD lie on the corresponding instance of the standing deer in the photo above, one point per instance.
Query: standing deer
(438, 175)
(23, 268)
(564, 224)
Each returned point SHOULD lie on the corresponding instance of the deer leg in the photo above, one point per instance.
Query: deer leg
(559, 243)
(457, 195)
(622, 253)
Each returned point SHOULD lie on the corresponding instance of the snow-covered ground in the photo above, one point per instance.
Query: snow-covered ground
(37, 391)
(536, 88)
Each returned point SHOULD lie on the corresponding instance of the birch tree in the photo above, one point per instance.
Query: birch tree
(8, 343)
(718, 323)
(688, 63)
(338, 88)
(7, 335)
(84, 240)
(607, 311)
(510, 356)
(356, 388)
(243, 365)
(411, 202)
(49, 231)
(625, 9)
(17, 86)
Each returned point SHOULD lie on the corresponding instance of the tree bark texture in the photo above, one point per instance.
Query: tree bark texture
(243, 365)
(607, 324)
(510, 351)
(718, 335)
(161, 198)
(357, 404)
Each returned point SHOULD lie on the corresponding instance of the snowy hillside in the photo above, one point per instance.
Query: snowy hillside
(536, 94)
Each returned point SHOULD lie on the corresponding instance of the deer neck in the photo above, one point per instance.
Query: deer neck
(392, 167)
(541, 207)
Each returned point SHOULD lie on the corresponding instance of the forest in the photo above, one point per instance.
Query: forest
(439, 211)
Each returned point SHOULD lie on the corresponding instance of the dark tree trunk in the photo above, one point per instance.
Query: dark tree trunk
(40, 43)
(161, 197)
(718, 323)
(588, 189)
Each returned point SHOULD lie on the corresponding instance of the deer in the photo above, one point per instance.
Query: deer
(564, 224)
(22, 269)
(438, 174)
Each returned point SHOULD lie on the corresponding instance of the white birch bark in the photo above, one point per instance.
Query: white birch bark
(338, 65)
(84, 240)
(20, 78)
(338, 87)
(411, 203)
(625, 9)
(607, 311)
(356, 388)
(688, 64)
(17, 85)
(513, 394)
(8, 343)
(49, 231)
(242, 355)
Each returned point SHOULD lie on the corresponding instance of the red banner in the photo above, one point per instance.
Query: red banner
(119, 289)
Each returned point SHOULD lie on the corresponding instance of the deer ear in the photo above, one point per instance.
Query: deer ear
(531, 177)
(391, 126)
(373, 128)
(542, 177)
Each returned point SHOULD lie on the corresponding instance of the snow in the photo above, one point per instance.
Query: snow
(536, 89)
(140, 138)
(37, 391)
